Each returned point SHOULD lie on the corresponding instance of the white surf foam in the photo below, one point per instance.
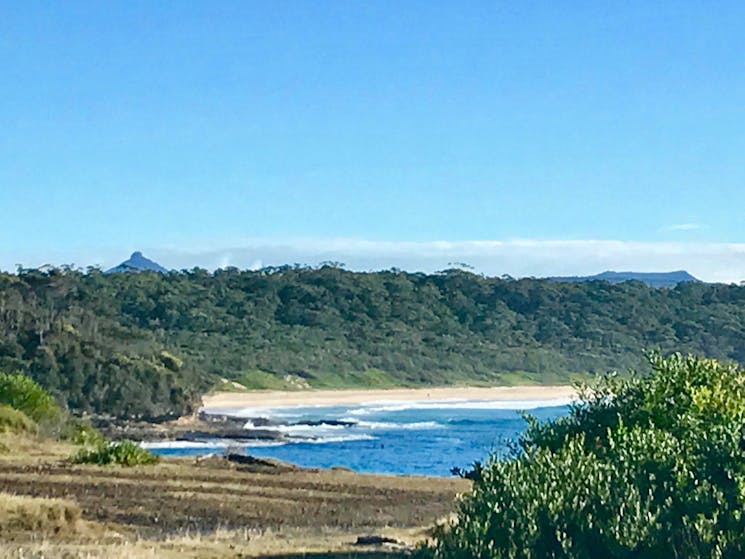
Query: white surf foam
(282, 412)
(221, 445)
(217, 445)
(353, 423)
(390, 426)
(180, 444)
(372, 408)
(291, 429)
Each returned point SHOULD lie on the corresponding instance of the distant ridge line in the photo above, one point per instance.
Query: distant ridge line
(653, 279)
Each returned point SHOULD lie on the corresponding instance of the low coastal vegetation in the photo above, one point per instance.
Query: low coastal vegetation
(646, 466)
(120, 453)
(26, 408)
(20, 392)
(147, 345)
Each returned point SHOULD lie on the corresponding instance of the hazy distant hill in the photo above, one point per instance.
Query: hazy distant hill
(653, 279)
(137, 263)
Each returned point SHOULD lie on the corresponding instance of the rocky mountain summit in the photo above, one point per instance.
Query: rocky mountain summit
(137, 263)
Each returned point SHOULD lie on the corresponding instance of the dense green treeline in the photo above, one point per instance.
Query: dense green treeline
(148, 343)
(88, 358)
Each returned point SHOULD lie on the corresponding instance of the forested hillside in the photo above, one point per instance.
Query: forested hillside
(148, 344)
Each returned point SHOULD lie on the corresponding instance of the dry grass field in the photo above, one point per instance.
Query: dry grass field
(180, 508)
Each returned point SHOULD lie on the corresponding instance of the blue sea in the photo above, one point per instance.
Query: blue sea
(414, 438)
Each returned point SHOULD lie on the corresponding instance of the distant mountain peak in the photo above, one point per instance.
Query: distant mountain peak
(138, 263)
(653, 279)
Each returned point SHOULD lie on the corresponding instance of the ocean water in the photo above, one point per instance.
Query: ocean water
(415, 438)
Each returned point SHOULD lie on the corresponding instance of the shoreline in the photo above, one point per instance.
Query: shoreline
(220, 401)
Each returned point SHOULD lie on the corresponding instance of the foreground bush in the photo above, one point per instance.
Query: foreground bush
(22, 393)
(122, 453)
(642, 467)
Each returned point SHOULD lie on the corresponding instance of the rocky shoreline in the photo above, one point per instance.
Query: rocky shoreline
(204, 427)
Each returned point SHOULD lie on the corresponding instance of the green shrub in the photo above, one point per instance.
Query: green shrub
(15, 421)
(642, 467)
(122, 453)
(22, 393)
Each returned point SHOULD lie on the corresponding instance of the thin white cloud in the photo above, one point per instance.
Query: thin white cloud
(684, 227)
(719, 262)
(716, 262)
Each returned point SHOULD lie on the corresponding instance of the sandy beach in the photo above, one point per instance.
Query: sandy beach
(276, 398)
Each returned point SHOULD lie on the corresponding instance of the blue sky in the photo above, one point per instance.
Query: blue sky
(211, 133)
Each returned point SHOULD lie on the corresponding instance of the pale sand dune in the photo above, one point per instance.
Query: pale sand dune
(276, 398)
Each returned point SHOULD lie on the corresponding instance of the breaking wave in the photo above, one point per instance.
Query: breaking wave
(383, 407)
(223, 444)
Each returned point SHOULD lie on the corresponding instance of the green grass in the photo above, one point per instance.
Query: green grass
(255, 380)
(371, 378)
(262, 380)
(524, 378)
(376, 378)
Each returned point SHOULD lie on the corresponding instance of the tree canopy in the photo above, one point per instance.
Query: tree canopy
(148, 344)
